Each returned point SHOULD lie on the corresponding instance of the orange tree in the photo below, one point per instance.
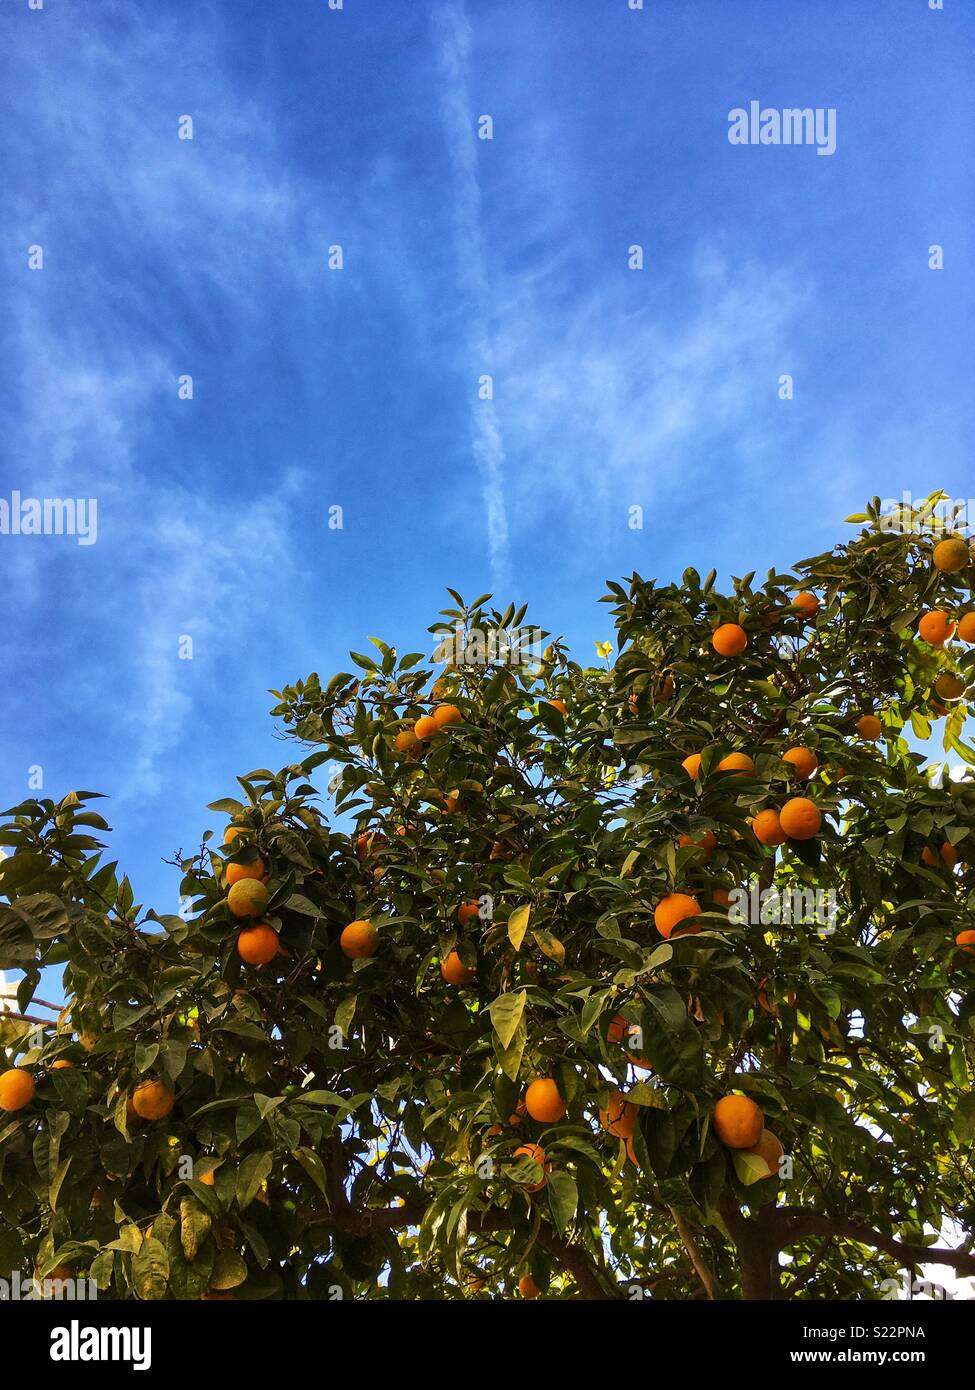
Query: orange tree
(650, 976)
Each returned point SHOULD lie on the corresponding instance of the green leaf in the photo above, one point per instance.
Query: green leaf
(150, 1270)
(313, 1166)
(563, 1199)
(506, 1013)
(251, 1173)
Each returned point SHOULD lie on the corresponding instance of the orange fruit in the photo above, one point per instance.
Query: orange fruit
(966, 940)
(620, 1116)
(692, 765)
(806, 604)
(738, 1122)
(16, 1089)
(536, 1152)
(61, 1062)
(254, 868)
(560, 705)
(247, 898)
(966, 627)
(152, 1100)
(869, 727)
(936, 627)
(721, 896)
(359, 939)
(948, 856)
(949, 686)
(951, 555)
(804, 761)
(425, 727)
(729, 639)
(736, 762)
(800, 818)
(674, 909)
(209, 1179)
(365, 842)
(708, 843)
(231, 833)
(468, 912)
(527, 1287)
(406, 741)
(544, 1102)
(770, 1150)
(257, 945)
(767, 828)
(454, 971)
(631, 1152)
(446, 714)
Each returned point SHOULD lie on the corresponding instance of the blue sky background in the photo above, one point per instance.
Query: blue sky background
(462, 257)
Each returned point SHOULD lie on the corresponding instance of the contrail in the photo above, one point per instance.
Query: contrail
(486, 435)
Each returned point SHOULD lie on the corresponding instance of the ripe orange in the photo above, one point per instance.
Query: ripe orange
(527, 1287)
(966, 940)
(800, 818)
(254, 868)
(536, 1152)
(359, 939)
(949, 686)
(468, 912)
(948, 856)
(257, 945)
(231, 833)
(721, 896)
(966, 627)
(729, 639)
(365, 842)
(674, 909)
(692, 765)
(631, 1152)
(737, 762)
(707, 843)
(152, 1100)
(16, 1089)
(544, 1102)
(406, 741)
(936, 627)
(869, 727)
(804, 761)
(61, 1062)
(767, 828)
(806, 604)
(770, 1150)
(620, 1116)
(454, 971)
(561, 706)
(425, 727)
(738, 1122)
(951, 555)
(446, 714)
(248, 898)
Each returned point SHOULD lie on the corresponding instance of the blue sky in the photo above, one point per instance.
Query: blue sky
(358, 387)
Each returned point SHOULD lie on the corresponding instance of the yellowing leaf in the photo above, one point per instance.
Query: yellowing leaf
(518, 925)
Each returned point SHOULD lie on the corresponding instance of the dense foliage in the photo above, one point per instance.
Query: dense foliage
(348, 1127)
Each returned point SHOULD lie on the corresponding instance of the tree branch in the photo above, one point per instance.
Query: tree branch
(792, 1224)
(693, 1249)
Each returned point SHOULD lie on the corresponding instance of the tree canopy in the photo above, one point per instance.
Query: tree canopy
(570, 984)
